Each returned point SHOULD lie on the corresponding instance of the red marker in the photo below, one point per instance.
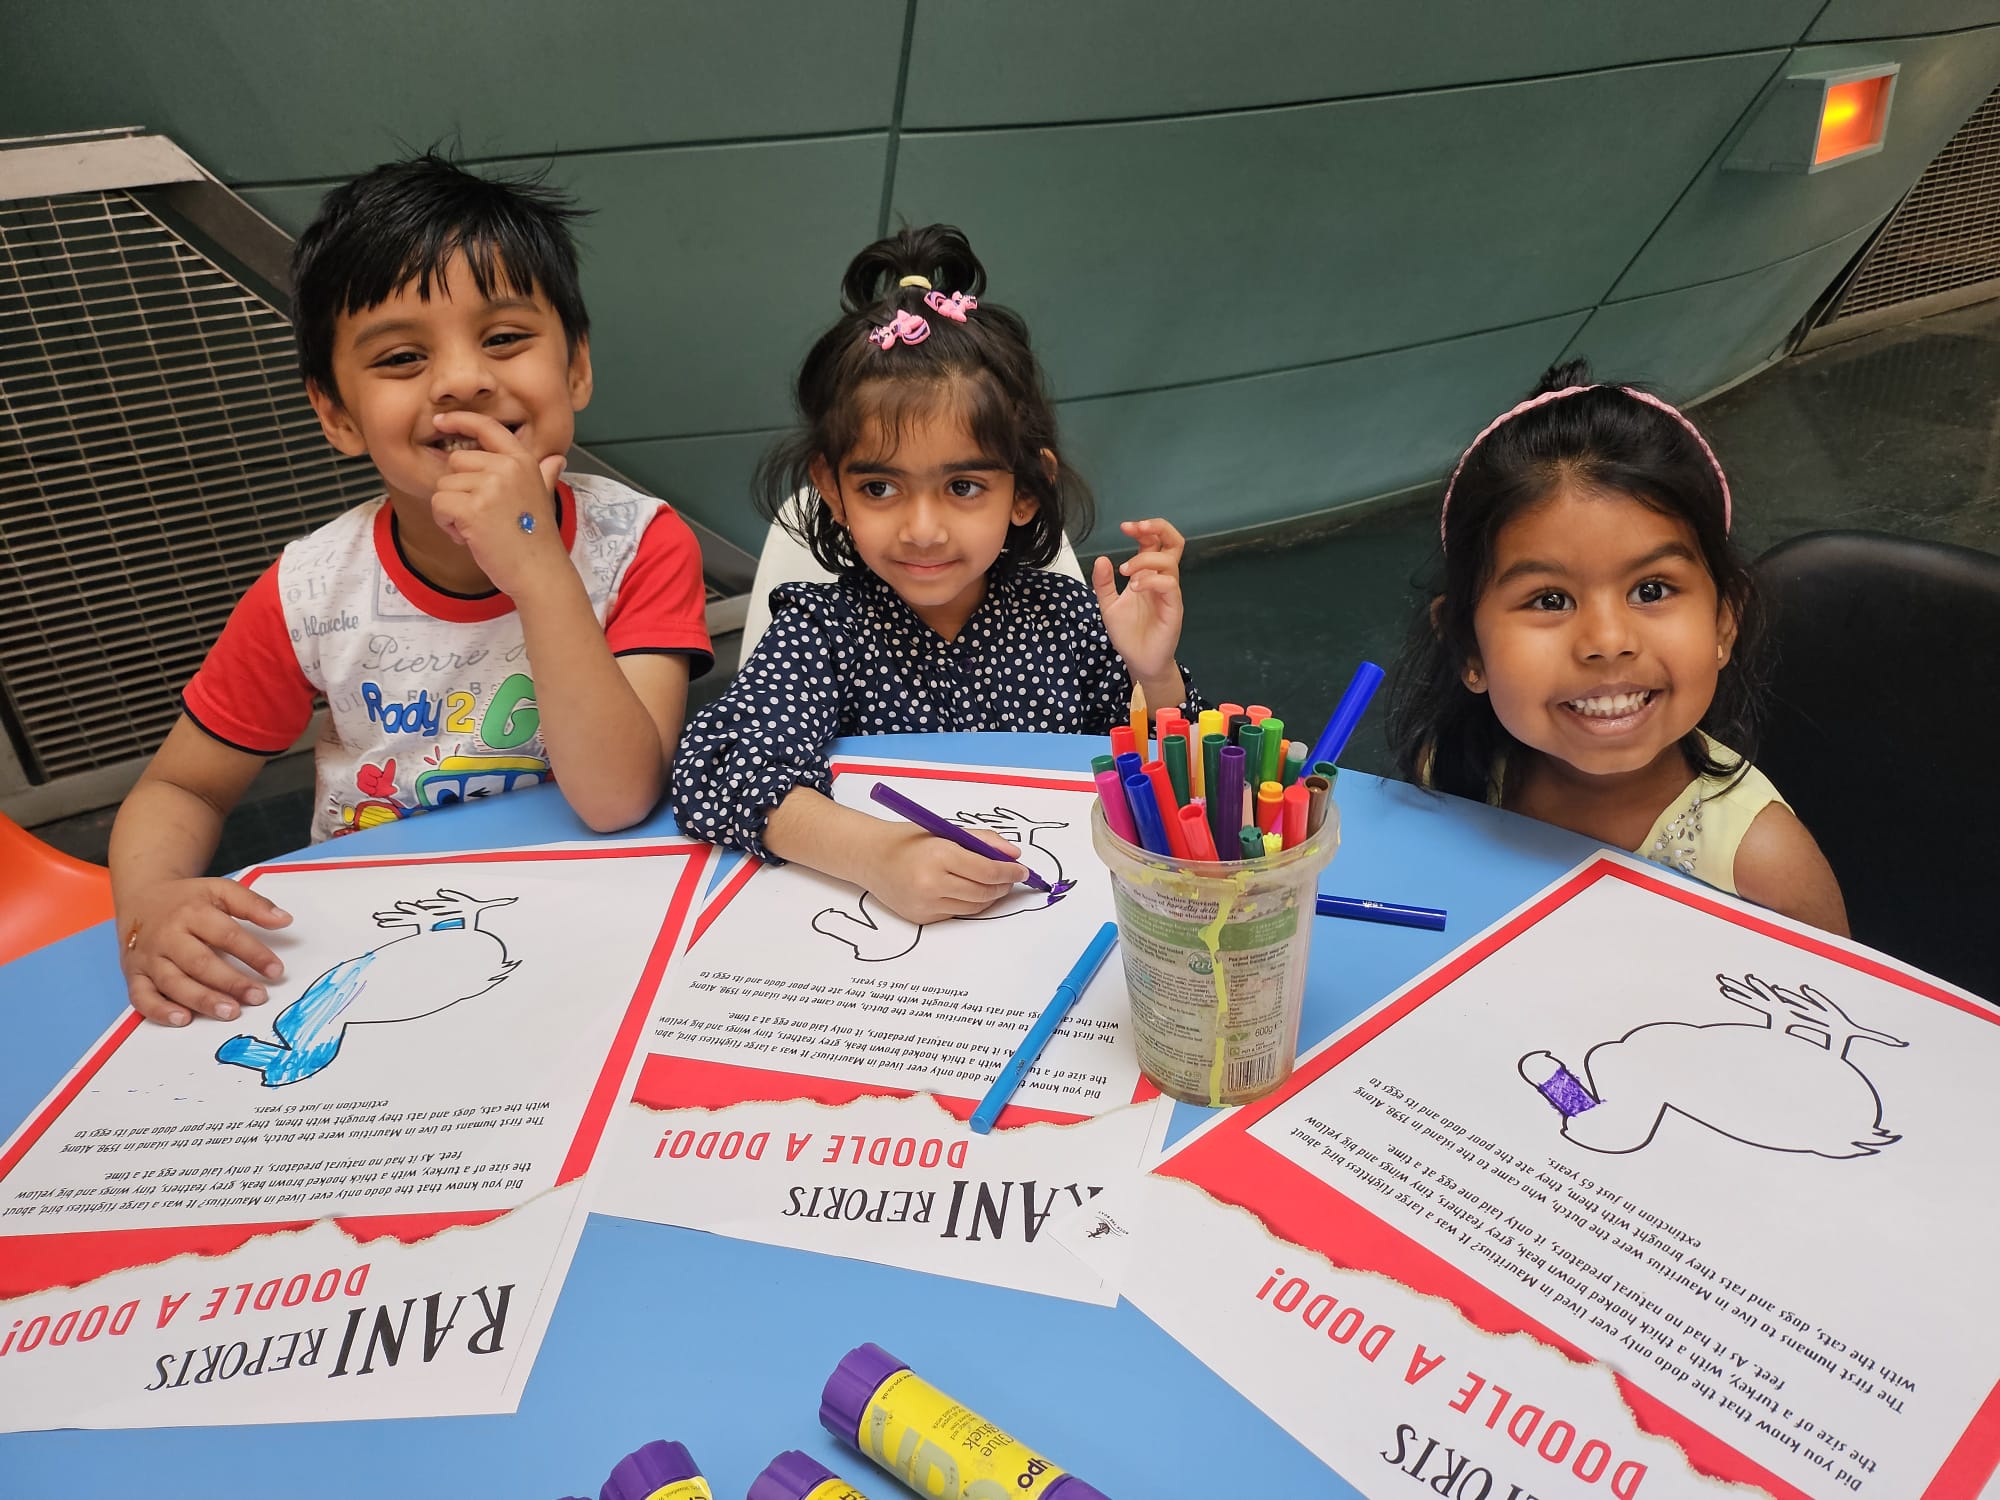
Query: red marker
(1298, 803)
(1163, 793)
(1194, 830)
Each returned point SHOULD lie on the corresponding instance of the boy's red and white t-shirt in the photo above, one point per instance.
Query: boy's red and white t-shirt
(429, 693)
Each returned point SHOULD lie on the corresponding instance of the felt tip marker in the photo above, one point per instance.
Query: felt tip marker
(1274, 741)
(944, 828)
(1195, 832)
(1430, 918)
(1226, 808)
(1146, 814)
(1163, 793)
(1270, 806)
(1347, 713)
(1319, 789)
(1074, 983)
(1111, 796)
(1297, 819)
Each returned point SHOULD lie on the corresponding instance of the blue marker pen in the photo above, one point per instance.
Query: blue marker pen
(1429, 917)
(1074, 983)
(1146, 815)
(1346, 714)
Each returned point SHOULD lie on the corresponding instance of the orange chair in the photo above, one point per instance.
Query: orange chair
(44, 893)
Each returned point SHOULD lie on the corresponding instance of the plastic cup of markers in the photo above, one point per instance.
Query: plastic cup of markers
(1215, 960)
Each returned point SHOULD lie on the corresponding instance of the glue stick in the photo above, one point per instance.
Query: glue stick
(939, 1448)
(799, 1476)
(658, 1471)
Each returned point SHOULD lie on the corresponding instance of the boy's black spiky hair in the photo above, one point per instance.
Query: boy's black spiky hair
(403, 222)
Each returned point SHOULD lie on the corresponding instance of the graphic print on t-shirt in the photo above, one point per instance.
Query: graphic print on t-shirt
(508, 723)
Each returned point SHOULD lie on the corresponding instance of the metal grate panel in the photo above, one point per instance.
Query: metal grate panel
(1946, 233)
(156, 453)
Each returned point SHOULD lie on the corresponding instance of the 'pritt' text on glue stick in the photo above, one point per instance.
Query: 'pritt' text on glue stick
(799, 1476)
(938, 1447)
(658, 1471)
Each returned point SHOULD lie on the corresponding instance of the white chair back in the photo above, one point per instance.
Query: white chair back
(785, 560)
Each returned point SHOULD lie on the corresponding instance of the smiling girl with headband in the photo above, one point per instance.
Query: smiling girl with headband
(926, 471)
(1592, 658)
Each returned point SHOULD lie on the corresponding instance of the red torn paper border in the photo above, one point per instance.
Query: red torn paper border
(1233, 1167)
(42, 1262)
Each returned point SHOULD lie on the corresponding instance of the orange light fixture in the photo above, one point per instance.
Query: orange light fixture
(1813, 121)
(1853, 118)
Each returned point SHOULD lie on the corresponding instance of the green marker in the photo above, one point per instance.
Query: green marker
(1251, 838)
(1295, 762)
(1102, 763)
(1327, 769)
(1174, 750)
(1252, 740)
(1274, 737)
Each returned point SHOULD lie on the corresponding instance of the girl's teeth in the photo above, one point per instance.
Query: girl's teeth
(1614, 707)
(454, 443)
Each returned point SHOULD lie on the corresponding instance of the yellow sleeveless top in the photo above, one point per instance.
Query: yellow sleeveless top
(1700, 831)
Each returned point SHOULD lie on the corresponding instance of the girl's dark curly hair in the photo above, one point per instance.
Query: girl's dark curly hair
(985, 366)
(1605, 439)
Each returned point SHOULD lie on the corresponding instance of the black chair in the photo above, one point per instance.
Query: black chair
(1883, 732)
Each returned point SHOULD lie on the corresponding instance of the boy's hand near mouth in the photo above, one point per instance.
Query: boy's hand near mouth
(498, 502)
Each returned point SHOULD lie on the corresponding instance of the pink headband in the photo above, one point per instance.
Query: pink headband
(1573, 390)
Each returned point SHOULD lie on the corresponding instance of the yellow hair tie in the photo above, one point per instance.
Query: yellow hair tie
(922, 281)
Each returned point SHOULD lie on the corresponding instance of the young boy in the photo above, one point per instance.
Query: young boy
(480, 627)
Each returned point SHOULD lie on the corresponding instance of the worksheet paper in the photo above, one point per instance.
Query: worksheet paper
(815, 1057)
(375, 1174)
(1642, 1190)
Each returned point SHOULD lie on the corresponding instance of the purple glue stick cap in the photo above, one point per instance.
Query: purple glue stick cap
(790, 1476)
(651, 1468)
(1069, 1487)
(848, 1388)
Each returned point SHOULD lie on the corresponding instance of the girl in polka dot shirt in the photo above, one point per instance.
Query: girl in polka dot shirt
(933, 484)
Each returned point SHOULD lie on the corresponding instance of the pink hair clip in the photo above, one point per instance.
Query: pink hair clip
(906, 326)
(955, 307)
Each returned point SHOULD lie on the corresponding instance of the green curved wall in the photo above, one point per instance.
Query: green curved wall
(1280, 255)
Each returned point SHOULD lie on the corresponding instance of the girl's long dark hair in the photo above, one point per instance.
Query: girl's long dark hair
(985, 365)
(1442, 732)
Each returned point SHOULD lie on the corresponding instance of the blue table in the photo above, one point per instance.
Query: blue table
(724, 1345)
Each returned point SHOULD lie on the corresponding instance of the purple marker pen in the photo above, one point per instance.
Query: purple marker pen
(944, 828)
(658, 1471)
(874, 1402)
(798, 1476)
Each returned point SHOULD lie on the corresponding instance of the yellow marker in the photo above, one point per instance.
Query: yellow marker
(1273, 843)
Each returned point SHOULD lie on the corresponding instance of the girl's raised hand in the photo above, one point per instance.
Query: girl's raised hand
(1144, 622)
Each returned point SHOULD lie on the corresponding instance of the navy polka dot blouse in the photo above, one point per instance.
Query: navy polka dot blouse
(850, 657)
